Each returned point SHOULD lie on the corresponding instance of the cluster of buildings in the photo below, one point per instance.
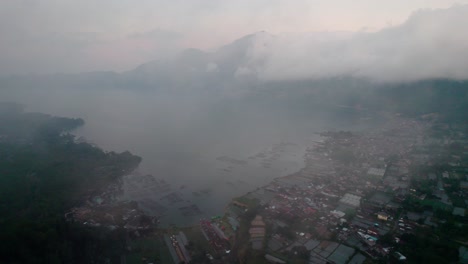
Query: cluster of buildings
(350, 202)
(215, 236)
(105, 210)
(357, 200)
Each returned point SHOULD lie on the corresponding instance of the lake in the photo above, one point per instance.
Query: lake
(200, 151)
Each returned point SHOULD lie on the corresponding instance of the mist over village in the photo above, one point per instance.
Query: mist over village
(233, 131)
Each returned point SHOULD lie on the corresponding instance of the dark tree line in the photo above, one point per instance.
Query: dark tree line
(44, 172)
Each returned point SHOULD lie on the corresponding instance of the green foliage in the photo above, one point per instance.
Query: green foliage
(350, 214)
(449, 98)
(422, 248)
(286, 232)
(44, 172)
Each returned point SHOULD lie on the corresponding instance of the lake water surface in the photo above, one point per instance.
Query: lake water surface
(201, 152)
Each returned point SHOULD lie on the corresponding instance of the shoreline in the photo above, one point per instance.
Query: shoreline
(225, 210)
(168, 201)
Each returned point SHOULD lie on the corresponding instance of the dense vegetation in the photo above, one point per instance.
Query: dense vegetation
(350, 98)
(43, 173)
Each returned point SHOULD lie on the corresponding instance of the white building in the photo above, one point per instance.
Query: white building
(351, 200)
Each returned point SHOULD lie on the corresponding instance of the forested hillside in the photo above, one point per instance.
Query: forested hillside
(44, 172)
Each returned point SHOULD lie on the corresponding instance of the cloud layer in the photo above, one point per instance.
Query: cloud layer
(49, 36)
(430, 44)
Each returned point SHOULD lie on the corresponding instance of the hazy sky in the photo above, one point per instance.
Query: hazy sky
(47, 36)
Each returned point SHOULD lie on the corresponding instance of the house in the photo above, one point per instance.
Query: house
(458, 211)
(376, 172)
(351, 200)
(257, 232)
(383, 216)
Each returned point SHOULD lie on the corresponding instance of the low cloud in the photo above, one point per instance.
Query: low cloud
(157, 34)
(430, 44)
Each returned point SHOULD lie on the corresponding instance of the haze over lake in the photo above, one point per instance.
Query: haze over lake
(246, 131)
(203, 147)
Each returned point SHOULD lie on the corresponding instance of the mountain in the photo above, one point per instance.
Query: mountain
(237, 71)
(231, 67)
(430, 44)
(194, 68)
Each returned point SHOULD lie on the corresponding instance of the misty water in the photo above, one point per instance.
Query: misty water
(207, 149)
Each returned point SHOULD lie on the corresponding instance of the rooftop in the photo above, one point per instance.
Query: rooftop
(351, 200)
(376, 172)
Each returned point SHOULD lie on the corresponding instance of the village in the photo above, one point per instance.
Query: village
(361, 198)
